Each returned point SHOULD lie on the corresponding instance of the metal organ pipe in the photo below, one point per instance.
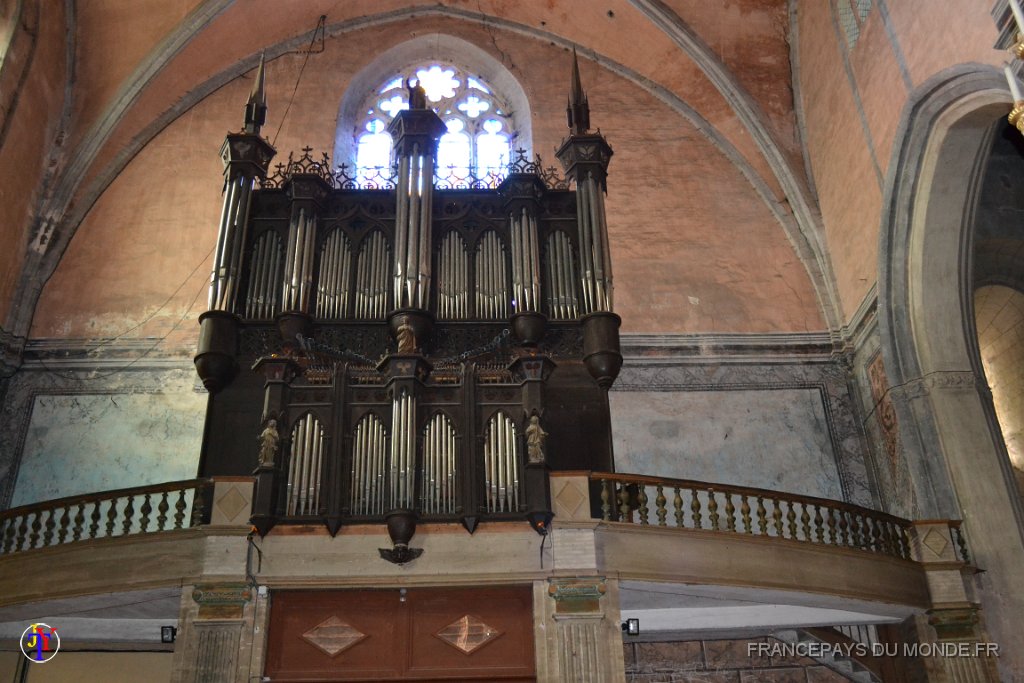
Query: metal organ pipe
(501, 464)
(305, 467)
(525, 262)
(231, 233)
(369, 455)
(403, 449)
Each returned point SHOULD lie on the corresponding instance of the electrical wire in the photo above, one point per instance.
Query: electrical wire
(319, 30)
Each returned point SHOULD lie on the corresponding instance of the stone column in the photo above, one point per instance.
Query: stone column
(217, 628)
(579, 639)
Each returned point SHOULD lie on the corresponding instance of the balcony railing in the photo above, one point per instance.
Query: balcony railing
(108, 514)
(697, 505)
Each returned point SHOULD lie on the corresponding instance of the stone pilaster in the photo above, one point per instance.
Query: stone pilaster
(217, 628)
(954, 640)
(579, 639)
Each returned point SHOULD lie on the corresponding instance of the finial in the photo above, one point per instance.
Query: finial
(578, 110)
(256, 107)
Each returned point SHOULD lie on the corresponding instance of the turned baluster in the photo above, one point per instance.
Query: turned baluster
(146, 509)
(805, 521)
(9, 536)
(876, 536)
(730, 513)
(162, 508)
(62, 528)
(76, 532)
(961, 543)
(904, 543)
(179, 509)
(51, 523)
(659, 504)
(94, 526)
(695, 515)
(677, 504)
(641, 498)
(745, 514)
(830, 514)
(199, 505)
(22, 532)
(625, 514)
(606, 504)
(819, 528)
(129, 516)
(713, 509)
(111, 517)
(777, 518)
(791, 518)
(859, 531)
(844, 528)
(762, 517)
(37, 525)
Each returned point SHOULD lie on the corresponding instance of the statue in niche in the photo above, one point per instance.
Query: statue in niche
(406, 339)
(269, 441)
(417, 95)
(535, 436)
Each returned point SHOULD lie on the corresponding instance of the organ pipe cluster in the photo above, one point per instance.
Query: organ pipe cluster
(438, 494)
(561, 278)
(491, 282)
(501, 464)
(525, 262)
(403, 450)
(369, 462)
(304, 466)
(453, 279)
(298, 261)
(332, 295)
(413, 226)
(595, 257)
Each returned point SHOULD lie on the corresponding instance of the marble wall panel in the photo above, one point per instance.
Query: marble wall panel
(62, 436)
(773, 439)
(789, 426)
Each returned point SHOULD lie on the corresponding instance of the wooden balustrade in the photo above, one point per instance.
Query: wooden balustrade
(105, 515)
(758, 512)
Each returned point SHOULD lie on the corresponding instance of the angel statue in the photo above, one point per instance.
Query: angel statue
(417, 95)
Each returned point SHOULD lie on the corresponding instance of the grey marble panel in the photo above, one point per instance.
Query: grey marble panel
(774, 439)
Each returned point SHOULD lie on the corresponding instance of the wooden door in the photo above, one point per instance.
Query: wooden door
(427, 634)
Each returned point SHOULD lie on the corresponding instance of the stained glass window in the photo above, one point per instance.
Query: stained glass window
(480, 133)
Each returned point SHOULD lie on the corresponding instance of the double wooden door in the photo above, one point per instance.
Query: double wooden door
(420, 634)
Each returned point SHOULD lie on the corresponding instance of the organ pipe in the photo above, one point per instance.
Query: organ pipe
(439, 467)
(332, 296)
(371, 278)
(402, 475)
(453, 294)
(491, 280)
(261, 301)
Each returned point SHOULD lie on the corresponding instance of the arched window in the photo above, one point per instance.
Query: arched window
(480, 133)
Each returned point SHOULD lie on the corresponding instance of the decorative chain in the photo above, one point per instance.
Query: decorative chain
(311, 345)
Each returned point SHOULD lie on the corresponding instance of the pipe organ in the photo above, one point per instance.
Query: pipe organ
(401, 340)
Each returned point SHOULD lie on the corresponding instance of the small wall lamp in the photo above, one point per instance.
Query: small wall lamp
(540, 520)
(631, 627)
(168, 634)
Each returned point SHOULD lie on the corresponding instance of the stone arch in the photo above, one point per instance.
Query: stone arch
(443, 48)
(947, 423)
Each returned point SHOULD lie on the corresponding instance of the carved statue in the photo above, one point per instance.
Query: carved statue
(535, 436)
(269, 440)
(417, 95)
(406, 339)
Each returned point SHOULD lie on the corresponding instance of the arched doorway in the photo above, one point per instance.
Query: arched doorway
(948, 428)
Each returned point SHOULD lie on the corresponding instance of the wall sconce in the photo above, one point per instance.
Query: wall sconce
(631, 627)
(168, 634)
(540, 520)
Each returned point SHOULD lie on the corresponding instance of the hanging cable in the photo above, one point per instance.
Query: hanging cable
(318, 31)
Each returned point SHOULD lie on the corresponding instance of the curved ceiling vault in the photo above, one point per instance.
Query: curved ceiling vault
(219, 40)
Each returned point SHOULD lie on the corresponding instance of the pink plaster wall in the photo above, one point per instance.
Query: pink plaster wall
(698, 252)
(931, 36)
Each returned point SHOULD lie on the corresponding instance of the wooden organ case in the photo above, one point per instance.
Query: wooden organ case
(413, 343)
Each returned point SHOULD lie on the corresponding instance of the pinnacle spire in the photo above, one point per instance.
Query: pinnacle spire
(578, 110)
(256, 107)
